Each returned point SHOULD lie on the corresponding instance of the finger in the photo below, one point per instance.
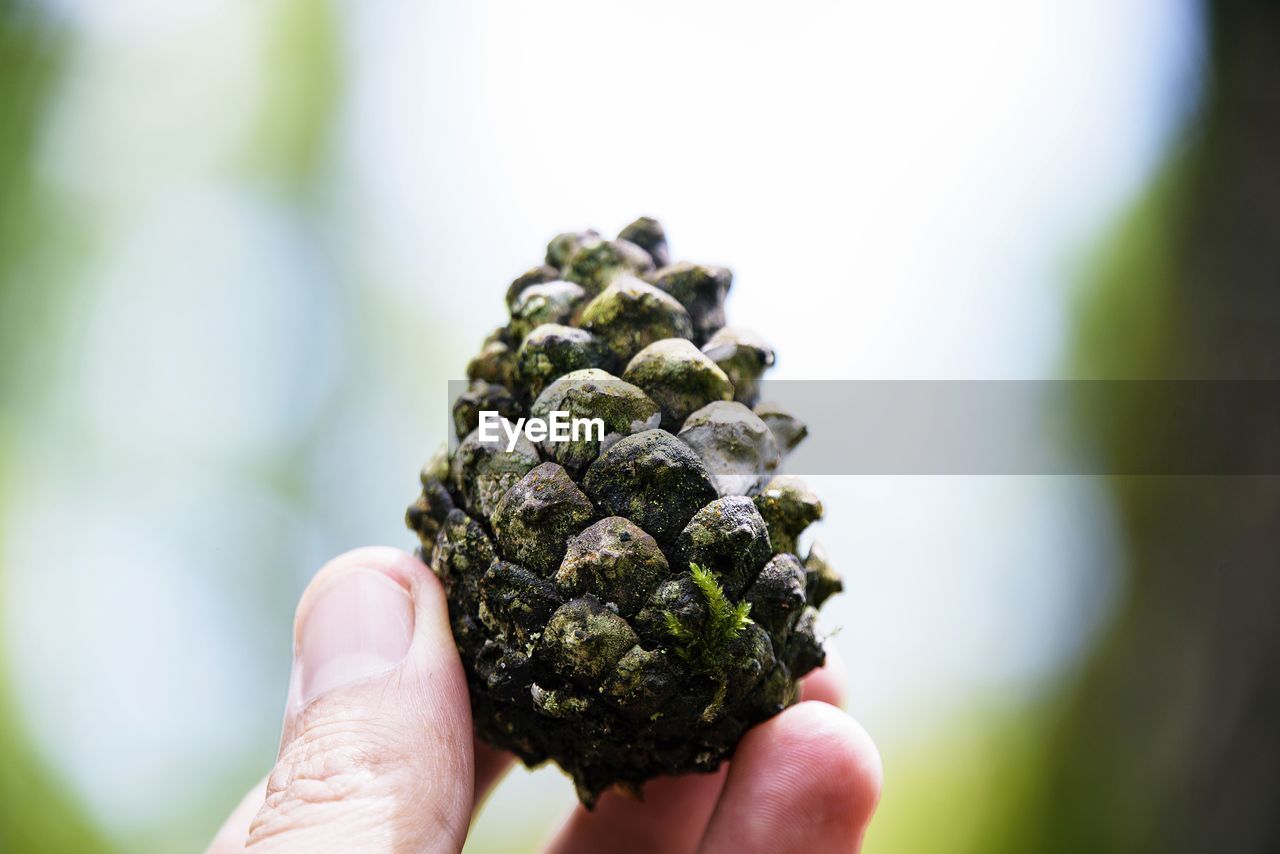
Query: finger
(807, 779)
(829, 683)
(376, 749)
(672, 817)
(491, 765)
(235, 830)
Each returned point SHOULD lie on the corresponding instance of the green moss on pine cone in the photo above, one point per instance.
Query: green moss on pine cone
(627, 607)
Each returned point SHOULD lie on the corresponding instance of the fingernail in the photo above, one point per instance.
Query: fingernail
(360, 625)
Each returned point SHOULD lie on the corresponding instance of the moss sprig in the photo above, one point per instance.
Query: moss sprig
(706, 648)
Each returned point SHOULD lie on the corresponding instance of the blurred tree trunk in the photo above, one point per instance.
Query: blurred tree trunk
(1171, 740)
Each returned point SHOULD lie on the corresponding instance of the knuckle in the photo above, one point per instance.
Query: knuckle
(339, 762)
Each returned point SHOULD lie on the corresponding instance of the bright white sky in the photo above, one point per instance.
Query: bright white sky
(897, 184)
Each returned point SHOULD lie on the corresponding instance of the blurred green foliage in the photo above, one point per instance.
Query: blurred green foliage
(36, 811)
(1168, 742)
(30, 56)
(290, 146)
(40, 241)
(1165, 741)
(37, 814)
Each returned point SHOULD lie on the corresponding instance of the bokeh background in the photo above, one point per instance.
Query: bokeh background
(245, 243)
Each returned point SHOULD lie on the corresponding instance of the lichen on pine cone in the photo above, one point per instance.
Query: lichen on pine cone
(627, 607)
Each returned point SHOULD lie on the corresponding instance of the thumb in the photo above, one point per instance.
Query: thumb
(376, 751)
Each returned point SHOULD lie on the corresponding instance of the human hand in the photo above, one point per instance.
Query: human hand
(377, 752)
